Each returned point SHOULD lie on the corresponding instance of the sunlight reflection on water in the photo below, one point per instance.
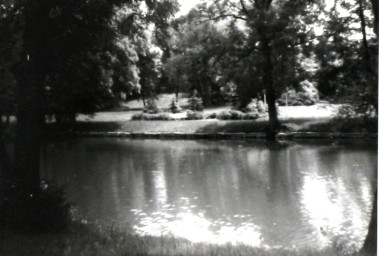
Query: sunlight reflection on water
(333, 210)
(196, 227)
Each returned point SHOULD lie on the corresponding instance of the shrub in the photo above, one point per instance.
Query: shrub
(224, 115)
(194, 115)
(138, 116)
(236, 115)
(256, 106)
(195, 103)
(211, 116)
(174, 107)
(262, 108)
(346, 111)
(251, 116)
(151, 117)
(308, 95)
(151, 107)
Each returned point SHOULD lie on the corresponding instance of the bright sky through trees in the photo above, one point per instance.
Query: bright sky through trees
(186, 5)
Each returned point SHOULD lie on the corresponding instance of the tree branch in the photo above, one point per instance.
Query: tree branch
(223, 16)
(244, 9)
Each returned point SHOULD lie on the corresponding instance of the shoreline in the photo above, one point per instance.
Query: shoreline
(224, 135)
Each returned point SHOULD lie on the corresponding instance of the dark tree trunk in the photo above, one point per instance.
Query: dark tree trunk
(375, 4)
(29, 129)
(4, 157)
(5, 162)
(205, 93)
(269, 85)
(30, 99)
(177, 93)
(143, 101)
(363, 29)
(370, 243)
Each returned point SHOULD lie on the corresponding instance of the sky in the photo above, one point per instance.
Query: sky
(186, 5)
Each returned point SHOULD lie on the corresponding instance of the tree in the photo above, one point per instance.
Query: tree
(370, 243)
(148, 74)
(67, 64)
(10, 32)
(149, 33)
(194, 63)
(274, 29)
(347, 55)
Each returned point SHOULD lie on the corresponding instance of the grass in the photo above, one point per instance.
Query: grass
(205, 126)
(96, 240)
(315, 118)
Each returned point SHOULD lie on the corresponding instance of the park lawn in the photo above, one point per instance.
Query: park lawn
(193, 126)
(294, 117)
(316, 118)
(317, 111)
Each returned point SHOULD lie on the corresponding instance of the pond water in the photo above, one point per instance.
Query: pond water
(263, 195)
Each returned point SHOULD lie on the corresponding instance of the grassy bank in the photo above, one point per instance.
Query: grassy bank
(216, 126)
(88, 240)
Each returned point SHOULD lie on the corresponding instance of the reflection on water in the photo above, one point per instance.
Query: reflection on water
(220, 192)
(336, 210)
(192, 224)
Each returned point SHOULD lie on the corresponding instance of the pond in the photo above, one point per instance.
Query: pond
(239, 192)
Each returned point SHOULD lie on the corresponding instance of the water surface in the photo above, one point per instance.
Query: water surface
(220, 192)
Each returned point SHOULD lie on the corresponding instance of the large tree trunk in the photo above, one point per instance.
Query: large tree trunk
(375, 4)
(177, 93)
(30, 99)
(269, 85)
(363, 29)
(5, 160)
(27, 146)
(370, 243)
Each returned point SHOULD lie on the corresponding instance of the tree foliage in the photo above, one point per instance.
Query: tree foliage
(194, 62)
(76, 56)
(347, 54)
(273, 31)
(10, 46)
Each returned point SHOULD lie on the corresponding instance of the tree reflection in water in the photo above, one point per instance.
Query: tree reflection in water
(218, 192)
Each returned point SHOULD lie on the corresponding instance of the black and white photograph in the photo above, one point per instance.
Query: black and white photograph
(188, 127)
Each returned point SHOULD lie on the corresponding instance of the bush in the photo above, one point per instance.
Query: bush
(306, 97)
(152, 117)
(174, 107)
(138, 116)
(356, 124)
(236, 115)
(211, 116)
(224, 115)
(256, 106)
(151, 107)
(346, 111)
(195, 103)
(194, 115)
(251, 116)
